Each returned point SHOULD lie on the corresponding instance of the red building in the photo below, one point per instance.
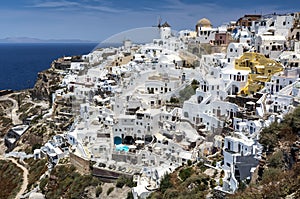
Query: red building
(246, 20)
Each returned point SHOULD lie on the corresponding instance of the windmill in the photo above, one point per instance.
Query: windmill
(159, 23)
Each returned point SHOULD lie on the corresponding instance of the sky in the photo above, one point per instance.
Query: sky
(97, 20)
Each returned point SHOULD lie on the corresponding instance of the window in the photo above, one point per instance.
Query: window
(186, 114)
(229, 145)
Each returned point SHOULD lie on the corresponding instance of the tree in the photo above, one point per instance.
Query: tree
(185, 173)
(110, 190)
(98, 190)
(268, 137)
(276, 160)
(165, 183)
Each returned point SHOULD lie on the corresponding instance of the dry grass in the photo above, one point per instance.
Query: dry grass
(11, 179)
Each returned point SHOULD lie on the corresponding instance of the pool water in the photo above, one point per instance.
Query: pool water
(121, 147)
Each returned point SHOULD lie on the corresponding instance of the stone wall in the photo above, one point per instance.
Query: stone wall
(81, 164)
(108, 175)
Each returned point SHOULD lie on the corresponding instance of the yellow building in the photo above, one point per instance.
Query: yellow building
(260, 70)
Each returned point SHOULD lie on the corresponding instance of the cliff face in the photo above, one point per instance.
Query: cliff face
(48, 80)
(46, 84)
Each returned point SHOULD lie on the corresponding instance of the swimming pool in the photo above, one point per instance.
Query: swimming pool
(121, 147)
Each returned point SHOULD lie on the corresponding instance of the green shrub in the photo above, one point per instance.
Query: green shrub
(129, 195)
(43, 183)
(221, 182)
(212, 183)
(222, 173)
(98, 191)
(174, 100)
(171, 193)
(276, 160)
(110, 190)
(123, 180)
(185, 173)
(271, 175)
(165, 183)
(186, 93)
(201, 166)
(65, 182)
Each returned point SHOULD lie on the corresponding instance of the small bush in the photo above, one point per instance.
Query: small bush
(212, 183)
(201, 166)
(174, 100)
(129, 195)
(43, 184)
(221, 182)
(98, 191)
(165, 183)
(171, 193)
(185, 173)
(122, 180)
(222, 173)
(276, 160)
(110, 190)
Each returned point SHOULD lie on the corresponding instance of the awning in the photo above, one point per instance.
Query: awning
(139, 141)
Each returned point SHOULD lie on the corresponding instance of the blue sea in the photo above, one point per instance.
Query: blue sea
(20, 63)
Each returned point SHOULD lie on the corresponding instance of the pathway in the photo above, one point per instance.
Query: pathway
(25, 176)
(14, 108)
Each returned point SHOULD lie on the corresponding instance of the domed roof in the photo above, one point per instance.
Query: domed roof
(204, 23)
(297, 85)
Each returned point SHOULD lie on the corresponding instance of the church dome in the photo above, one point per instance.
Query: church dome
(297, 85)
(204, 23)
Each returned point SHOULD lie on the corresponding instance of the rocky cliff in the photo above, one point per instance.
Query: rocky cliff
(47, 83)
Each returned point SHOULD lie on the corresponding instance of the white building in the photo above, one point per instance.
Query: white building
(241, 156)
(205, 32)
(270, 45)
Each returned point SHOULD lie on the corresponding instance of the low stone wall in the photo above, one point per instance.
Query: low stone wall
(108, 175)
(81, 164)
